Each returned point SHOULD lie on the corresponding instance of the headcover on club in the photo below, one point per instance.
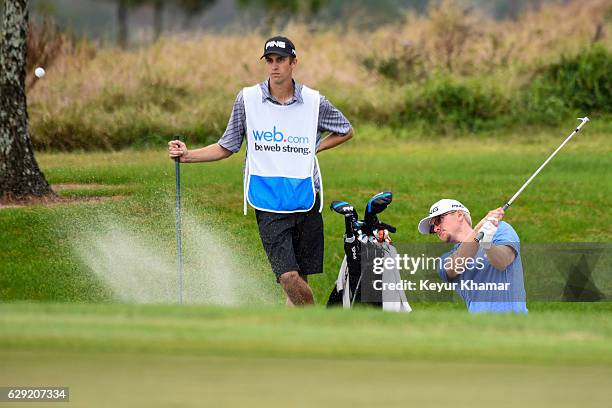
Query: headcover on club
(376, 205)
(379, 202)
(344, 208)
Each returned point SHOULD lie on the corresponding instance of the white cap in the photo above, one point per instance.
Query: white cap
(438, 208)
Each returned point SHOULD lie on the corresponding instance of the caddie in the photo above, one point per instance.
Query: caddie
(283, 122)
(489, 274)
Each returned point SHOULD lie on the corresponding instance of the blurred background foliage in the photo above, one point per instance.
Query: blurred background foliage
(408, 68)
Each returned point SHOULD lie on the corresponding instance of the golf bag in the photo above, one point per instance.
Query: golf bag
(364, 241)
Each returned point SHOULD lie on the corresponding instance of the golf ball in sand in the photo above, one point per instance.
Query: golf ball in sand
(39, 72)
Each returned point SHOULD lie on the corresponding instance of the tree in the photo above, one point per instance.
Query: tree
(192, 8)
(123, 8)
(122, 16)
(276, 9)
(158, 18)
(20, 176)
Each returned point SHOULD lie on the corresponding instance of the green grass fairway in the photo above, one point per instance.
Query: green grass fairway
(156, 356)
(117, 380)
(565, 335)
(567, 202)
(71, 273)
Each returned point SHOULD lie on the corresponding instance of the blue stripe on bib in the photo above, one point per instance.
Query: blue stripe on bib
(281, 193)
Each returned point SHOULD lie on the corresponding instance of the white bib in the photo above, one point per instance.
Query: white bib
(281, 147)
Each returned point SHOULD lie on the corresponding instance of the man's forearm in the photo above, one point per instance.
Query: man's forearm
(467, 250)
(334, 140)
(211, 152)
(500, 256)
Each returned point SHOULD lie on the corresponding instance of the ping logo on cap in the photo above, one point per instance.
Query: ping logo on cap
(280, 44)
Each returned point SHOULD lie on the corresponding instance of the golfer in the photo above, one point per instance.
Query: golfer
(488, 276)
(282, 122)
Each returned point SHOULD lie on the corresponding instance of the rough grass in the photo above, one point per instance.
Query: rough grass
(569, 336)
(448, 70)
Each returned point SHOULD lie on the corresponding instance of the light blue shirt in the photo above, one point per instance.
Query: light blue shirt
(509, 294)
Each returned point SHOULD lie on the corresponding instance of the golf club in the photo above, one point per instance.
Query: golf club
(351, 218)
(377, 204)
(358, 232)
(344, 208)
(509, 203)
(179, 259)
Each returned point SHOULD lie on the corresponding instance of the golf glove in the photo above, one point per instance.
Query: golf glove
(488, 229)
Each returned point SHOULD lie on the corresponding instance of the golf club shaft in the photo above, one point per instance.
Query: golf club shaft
(179, 260)
(520, 190)
(356, 290)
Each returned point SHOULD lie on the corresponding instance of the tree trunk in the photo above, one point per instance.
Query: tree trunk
(122, 15)
(158, 19)
(20, 176)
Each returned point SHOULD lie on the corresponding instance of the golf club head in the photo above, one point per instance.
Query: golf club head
(344, 208)
(379, 203)
(376, 205)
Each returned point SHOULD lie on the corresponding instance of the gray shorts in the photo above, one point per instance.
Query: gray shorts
(293, 242)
